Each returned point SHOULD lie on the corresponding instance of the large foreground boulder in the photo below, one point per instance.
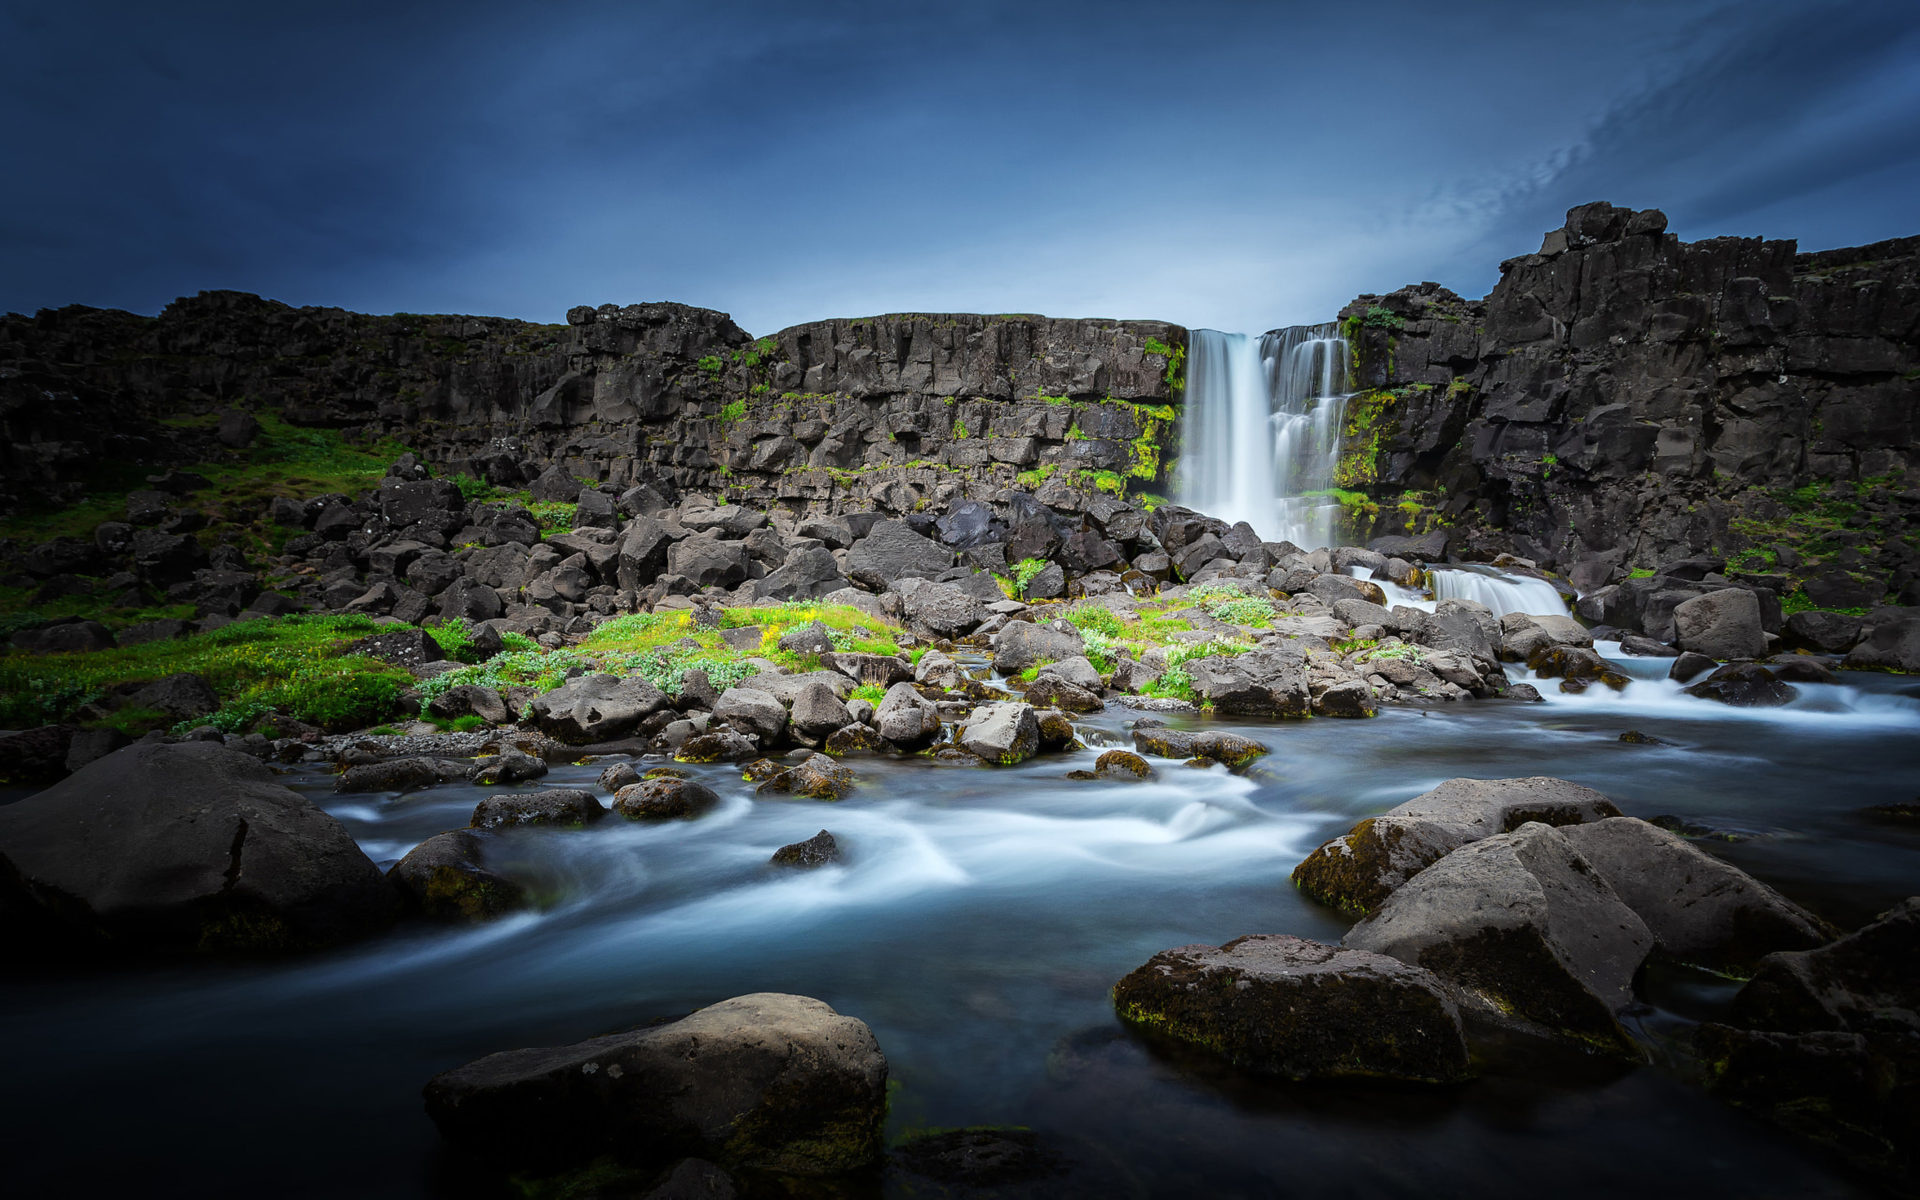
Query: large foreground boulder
(188, 847)
(1359, 870)
(1524, 931)
(769, 1081)
(1723, 624)
(1826, 1043)
(1284, 1005)
(1700, 910)
(597, 708)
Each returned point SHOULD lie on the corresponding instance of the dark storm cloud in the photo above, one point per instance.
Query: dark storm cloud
(1236, 165)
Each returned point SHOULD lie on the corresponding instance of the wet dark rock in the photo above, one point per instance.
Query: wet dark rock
(447, 879)
(721, 745)
(1865, 982)
(1634, 737)
(400, 774)
(978, 1158)
(816, 776)
(1052, 691)
(1522, 930)
(508, 767)
(816, 851)
(1645, 647)
(1359, 870)
(1688, 666)
(187, 847)
(616, 776)
(1804, 670)
(1122, 765)
(1348, 698)
(1744, 685)
(36, 755)
(773, 1082)
(664, 799)
(1283, 1005)
(1214, 745)
(574, 807)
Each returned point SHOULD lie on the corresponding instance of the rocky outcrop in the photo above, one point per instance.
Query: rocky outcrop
(1627, 397)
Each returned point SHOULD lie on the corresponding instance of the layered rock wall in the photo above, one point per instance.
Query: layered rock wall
(1626, 395)
(896, 409)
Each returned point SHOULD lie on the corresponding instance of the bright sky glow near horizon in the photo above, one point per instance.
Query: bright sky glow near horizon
(1235, 166)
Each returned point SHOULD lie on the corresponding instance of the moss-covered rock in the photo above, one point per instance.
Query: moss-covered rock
(447, 879)
(664, 799)
(1283, 1005)
(1123, 765)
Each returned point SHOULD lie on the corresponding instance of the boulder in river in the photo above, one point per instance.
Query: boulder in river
(400, 774)
(1123, 765)
(816, 851)
(448, 879)
(1700, 910)
(767, 1081)
(1360, 869)
(664, 799)
(1004, 733)
(816, 776)
(1150, 737)
(906, 719)
(1283, 1005)
(183, 847)
(1744, 685)
(1722, 625)
(1523, 930)
(574, 807)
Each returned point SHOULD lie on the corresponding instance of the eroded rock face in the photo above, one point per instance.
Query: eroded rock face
(189, 847)
(1283, 1005)
(768, 1081)
(1359, 870)
(1521, 928)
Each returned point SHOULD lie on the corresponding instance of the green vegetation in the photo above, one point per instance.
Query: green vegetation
(285, 460)
(732, 410)
(553, 516)
(289, 666)
(1381, 318)
(1817, 523)
(710, 363)
(1176, 357)
(872, 693)
(1369, 424)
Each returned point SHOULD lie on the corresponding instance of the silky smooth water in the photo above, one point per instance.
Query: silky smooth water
(1261, 432)
(981, 919)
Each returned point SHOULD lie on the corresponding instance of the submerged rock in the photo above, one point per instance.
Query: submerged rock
(1359, 870)
(816, 776)
(183, 847)
(447, 878)
(1283, 1005)
(1744, 685)
(767, 1081)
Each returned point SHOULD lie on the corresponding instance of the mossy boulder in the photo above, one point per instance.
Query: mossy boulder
(771, 1082)
(575, 807)
(1283, 1005)
(447, 879)
(665, 799)
(817, 776)
(1360, 869)
(1235, 750)
(1123, 765)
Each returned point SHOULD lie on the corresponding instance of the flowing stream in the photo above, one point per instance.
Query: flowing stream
(981, 919)
(1262, 432)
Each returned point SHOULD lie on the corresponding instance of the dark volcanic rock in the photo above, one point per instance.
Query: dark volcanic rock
(775, 1082)
(187, 847)
(447, 878)
(664, 799)
(1283, 1005)
(574, 807)
(597, 708)
(816, 851)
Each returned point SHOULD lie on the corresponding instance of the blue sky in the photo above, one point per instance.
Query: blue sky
(1232, 165)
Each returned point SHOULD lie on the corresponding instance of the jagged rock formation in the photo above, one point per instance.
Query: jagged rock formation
(1626, 395)
(890, 410)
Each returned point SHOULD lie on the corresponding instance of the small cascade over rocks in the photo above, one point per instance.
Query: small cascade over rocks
(1499, 590)
(1262, 429)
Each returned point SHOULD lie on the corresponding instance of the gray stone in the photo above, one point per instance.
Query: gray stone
(906, 719)
(596, 708)
(553, 806)
(1723, 625)
(1003, 733)
(758, 714)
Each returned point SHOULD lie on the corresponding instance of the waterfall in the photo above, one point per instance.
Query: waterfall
(1262, 429)
(1499, 591)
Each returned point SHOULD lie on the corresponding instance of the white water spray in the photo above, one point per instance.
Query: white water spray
(1262, 429)
(1499, 591)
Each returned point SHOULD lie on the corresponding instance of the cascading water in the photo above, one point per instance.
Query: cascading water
(1262, 431)
(1499, 591)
